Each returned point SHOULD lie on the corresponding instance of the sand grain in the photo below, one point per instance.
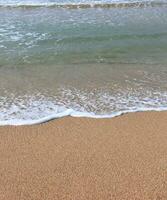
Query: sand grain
(82, 159)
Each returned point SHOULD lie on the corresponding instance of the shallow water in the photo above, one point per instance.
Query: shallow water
(97, 62)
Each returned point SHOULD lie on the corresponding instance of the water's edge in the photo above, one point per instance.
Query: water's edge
(73, 113)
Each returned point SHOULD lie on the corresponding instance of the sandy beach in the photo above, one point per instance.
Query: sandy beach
(82, 159)
(64, 63)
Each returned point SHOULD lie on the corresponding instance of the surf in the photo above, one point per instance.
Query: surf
(83, 4)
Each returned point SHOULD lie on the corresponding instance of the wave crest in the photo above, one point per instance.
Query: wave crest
(87, 5)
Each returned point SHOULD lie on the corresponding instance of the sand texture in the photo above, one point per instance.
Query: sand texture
(86, 159)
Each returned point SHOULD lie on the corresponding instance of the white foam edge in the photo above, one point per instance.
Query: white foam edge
(73, 113)
(50, 4)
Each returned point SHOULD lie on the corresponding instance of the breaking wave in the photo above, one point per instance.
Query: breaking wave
(73, 113)
(82, 4)
(29, 110)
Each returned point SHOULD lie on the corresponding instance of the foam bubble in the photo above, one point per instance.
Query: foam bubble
(28, 110)
(73, 113)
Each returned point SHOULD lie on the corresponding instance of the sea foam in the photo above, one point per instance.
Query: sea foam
(73, 113)
(79, 3)
(28, 110)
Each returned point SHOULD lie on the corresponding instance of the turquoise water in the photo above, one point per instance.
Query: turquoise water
(61, 36)
(84, 61)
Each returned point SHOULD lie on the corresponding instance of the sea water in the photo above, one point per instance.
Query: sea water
(81, 58)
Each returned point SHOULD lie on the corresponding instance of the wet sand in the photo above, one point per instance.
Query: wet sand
(82, 159)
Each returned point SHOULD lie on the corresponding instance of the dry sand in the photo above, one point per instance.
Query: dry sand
(83, 159)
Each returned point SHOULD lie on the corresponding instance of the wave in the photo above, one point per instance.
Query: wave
(73, 113)
(116, 4)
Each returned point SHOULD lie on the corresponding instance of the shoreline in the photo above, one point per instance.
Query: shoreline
(81, 158)
(76, 114)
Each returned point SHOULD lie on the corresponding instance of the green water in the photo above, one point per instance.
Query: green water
(62, 36)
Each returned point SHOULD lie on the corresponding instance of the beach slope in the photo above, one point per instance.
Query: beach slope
(82, 159)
